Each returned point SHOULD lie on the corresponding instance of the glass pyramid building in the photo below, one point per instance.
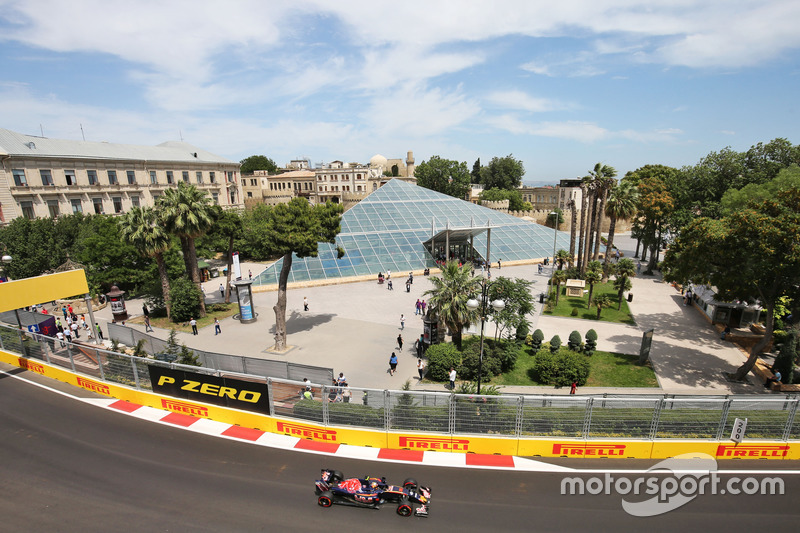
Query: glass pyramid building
(388, 231)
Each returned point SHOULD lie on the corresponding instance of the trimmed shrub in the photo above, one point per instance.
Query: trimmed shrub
(545, 366)
(441, 357)
(555, 344)
(536, 340)
(591, 342)
(561, 368)
(522, 332)
(574, 341)
(574, 311)
(185, 297)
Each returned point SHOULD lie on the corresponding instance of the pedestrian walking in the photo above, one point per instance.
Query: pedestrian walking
(69, 309)
(147, 326)
(402, 322)
(99, 332)
(408, 286)
(145, 310)
(423, 307)
(389, 285)
(638, 267)
(420, 368)
(222, 290)
(60, 336)
(573, 387)
(75, 331)
(68, 335)
(64, 310)
(388, 274)
(193, 323)
(217, 327)
(249, 273)
(498, 264)
(392, 364)
(400, 342)
(452, 378)
(305, 303)
(420, 346)
(418, 307)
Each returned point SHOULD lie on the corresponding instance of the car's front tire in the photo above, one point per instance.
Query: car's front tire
(325, 499)
(410, 483)
(404, 509)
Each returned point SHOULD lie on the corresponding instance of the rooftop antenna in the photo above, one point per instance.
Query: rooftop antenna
(41, 129)
(180, 133)
(82, 134)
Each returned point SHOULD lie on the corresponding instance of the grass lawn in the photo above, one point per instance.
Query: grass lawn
(610, 314)
(208, 320)
(606, 370)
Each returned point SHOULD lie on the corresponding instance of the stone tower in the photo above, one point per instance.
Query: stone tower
(410, 164)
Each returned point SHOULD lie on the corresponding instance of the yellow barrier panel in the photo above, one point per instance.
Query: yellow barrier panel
(527, 447)
(24, 292)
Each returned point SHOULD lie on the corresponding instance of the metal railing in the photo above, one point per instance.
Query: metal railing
(650, 417)
(226, 362)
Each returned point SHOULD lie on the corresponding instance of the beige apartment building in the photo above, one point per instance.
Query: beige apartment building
(43, 177)
(276, 189)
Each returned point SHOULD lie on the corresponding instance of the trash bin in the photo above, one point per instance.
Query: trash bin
(541, 298)
(630, 297)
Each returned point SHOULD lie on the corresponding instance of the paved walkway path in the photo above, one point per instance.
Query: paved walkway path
(353, 328)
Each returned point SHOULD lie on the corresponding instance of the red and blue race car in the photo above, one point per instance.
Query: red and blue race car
(373, 492)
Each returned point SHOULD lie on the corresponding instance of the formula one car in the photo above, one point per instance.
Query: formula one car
(372, 492)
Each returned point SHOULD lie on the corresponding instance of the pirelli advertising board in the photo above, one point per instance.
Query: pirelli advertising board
(226, 392)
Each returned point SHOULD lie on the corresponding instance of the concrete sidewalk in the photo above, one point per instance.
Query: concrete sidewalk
(353, 328)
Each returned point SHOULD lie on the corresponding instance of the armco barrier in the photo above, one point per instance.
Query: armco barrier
(547, 426)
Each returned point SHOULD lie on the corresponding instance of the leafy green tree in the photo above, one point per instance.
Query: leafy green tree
(787, 356)
(441, 358)
(142, 229)
(655, 207)
(448, 298)
(593, 276)
(514, 197)
(187, 213)
(187, 357)
(476, 171)
(30, 244)
(257, 162)
(517, 296)
(748, 255)
(735, 199)
(184, 300)
(621, 205)
(503, 173)
(624, 270)
(602, 302)
(172, 350)
(444, 176)
(227, 228)
(288, 230)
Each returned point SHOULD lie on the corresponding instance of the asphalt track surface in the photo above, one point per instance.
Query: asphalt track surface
(69, 466)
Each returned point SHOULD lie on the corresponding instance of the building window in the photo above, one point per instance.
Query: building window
(27, 209)
(117, 201)
(70, 175)
(358, 188)
(185, 175)
(233, 197)
(76, 205)
(212, 177)
(131, 177)
(170, 177)
(249, 194)
(112, 177)
(98, 206)
(153, 177)
(254, 183)
(19, 178)
(135, 201)
(215, 198)
(155, 198)
(199, 176)
(92, 177)
(52, 206)
(230, 175)
(47, 177)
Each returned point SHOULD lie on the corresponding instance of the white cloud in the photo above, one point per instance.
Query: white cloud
(514, 99)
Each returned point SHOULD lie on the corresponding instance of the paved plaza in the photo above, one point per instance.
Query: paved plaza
(353, 328)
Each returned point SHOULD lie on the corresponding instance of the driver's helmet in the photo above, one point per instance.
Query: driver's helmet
(373, 484)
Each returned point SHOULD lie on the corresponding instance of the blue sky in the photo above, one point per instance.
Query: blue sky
(561, 85)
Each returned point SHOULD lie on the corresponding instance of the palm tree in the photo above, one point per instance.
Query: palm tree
(621, 205)
(624, 270)
(572, 228)
(559, 277)
(448, 298)
(593, 275)
(602, 302)
(562, 257)
(585, 188)
(603, 177)
(187, 213)
(142, 229)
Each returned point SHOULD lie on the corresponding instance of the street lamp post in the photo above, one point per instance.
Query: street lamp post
(483, 305)
(554, 214)
(7, 259)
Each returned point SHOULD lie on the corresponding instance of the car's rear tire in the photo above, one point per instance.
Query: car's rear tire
(410, 483)
(404, 509)
(325, 499)
(336, 476)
